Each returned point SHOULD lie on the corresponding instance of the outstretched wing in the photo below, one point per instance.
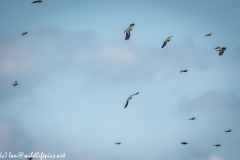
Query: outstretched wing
(135, 94)
(164, 44)
(131, 25)
(126, 103)
(221, 52)
(169, 38)
(127, 35)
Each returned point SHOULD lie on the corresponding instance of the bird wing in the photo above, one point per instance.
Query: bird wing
(164, 44)
(135, 94)
(221, 51)
(126, 103)
(169, 38)
(131, 25)
(127, 34)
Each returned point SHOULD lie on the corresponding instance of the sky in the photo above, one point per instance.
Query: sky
(75, 72)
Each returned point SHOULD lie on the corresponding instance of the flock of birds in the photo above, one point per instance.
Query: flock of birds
(127, 31)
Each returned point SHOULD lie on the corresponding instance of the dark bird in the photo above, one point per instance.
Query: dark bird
(30, 158)
(228, 130)
(24, 33)
(184, 143)
(15, 83)
(217, 145)
(221, 51)
(166, 41)
(183, 71)
(129, 99)
(192, 118)
(117, 143)
(128, 30)
(37, 1)
(209, 34)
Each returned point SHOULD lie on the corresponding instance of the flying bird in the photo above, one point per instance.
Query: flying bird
(183, 71)
(30, 158)
(217, 145)
(37, 1)
(129, 99)
(228, 130)
(221, 51)
(117, 143)
(209, 34)
(24, 33)
(184, 143)
(15, 83)
(192, 118)
(128, 30)
(166, 41)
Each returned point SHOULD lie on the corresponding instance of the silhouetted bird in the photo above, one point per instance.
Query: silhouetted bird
(209, 34)
(192, 118)
(129, 99)
(183, 71)
(228, 130)
(221, 51)
(117, 143)
(166, 41)
(217, 145)
(24, 33)
(37, 1)
(128, 30)
(184, 143)
(30, 158)
(15, 83)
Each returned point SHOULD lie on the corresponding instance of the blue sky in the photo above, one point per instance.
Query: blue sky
(75, 72)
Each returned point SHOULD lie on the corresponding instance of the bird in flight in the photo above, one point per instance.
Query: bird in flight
(117, 143)
(193, 118)
(15, 83)
(220, 50)
(128, 30)
(24, 33)
(217, 145)
(37, 1)
(228, 130)
(209, 34)
(166, 41)
(30, 158)
(183, 71)
(129, 99)
(184, 143)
